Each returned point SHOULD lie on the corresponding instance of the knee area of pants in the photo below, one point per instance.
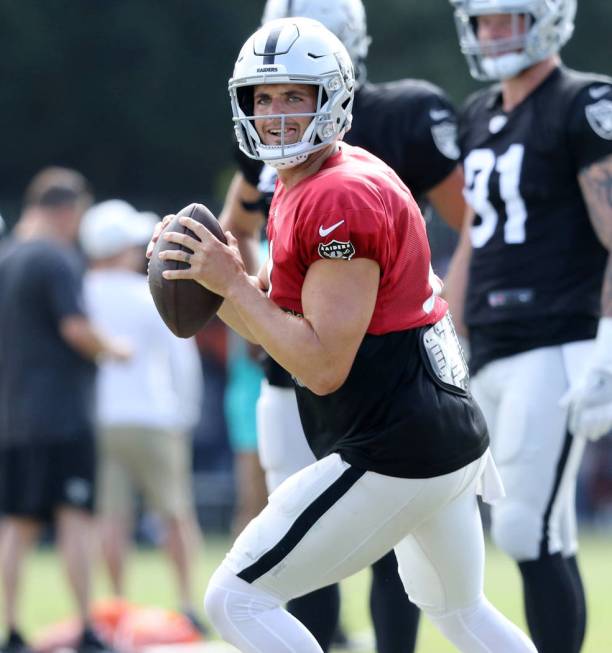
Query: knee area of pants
(516, 530)
(214, 605)
(228, 599)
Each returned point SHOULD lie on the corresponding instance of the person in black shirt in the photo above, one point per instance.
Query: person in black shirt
(537, 155)
(411, 125)
(48, 351)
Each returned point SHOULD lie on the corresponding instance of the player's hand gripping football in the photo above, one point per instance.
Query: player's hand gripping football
(159, 227)
(590, 402)
(211, 263)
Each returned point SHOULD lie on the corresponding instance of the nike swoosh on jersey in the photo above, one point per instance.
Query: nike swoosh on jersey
(438, 114)
(324, 232)
(599, 91)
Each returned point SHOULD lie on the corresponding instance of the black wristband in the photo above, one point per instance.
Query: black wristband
(251, 207)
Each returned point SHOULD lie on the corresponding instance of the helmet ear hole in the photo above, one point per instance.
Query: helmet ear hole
(244, 95)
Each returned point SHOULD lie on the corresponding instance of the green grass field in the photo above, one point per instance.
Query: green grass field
(46, 599)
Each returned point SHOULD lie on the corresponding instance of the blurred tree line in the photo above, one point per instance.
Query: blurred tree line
(134, 92)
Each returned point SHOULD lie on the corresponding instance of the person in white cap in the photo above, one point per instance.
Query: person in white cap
(146, 408)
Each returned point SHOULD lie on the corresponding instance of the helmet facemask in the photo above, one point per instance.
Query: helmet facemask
(540, 28)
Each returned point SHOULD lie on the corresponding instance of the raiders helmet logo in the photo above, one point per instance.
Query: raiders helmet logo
(445, 137)
(599, 116)
(336, 249)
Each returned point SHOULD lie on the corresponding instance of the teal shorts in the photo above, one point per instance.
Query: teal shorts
(241, 394)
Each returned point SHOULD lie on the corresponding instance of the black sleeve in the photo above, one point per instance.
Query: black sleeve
(590, 124)
(430, 138)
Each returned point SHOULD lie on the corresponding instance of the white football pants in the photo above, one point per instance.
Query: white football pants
(536, 456)
(330, 520)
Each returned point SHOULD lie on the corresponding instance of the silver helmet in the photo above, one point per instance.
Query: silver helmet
(293, 51)
(546, 28)
(345, 18)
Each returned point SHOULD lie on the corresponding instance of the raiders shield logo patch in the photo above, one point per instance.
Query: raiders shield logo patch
(336, 249)
(445, 137)
(599, 116)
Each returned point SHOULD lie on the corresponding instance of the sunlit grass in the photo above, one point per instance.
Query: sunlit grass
(150, 582)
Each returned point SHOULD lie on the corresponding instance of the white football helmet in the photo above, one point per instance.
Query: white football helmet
(293, 50)
(345, 18)
(549, 25)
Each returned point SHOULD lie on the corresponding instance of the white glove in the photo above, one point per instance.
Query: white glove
(590, 402)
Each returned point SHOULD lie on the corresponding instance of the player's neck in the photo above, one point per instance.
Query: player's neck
(516, 89)
(290, 177)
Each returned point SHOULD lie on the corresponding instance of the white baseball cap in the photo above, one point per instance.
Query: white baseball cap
(113, 226)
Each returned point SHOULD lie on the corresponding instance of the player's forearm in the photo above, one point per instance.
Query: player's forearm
(289, 339)
(81, 336)
(596, 185)
(447, 199)
(245, 225)
(249, 250)
(455, 283)
(232, 318)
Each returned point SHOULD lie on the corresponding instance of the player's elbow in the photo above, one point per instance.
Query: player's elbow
(326, 381)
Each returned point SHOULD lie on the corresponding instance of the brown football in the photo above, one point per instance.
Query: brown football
(184, 305)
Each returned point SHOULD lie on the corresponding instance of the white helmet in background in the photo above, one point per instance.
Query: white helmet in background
(345, 18)
(293, 51)
(548, 26)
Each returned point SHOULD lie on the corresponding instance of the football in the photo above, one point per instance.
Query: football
(184, 305)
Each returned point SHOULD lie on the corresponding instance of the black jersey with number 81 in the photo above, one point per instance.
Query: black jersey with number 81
(535, 254)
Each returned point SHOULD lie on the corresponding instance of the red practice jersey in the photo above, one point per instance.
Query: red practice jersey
(355, 206)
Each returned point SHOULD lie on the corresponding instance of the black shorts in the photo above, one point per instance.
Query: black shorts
(38, 478)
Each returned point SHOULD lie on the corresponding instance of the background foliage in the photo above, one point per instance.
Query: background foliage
(133, 92)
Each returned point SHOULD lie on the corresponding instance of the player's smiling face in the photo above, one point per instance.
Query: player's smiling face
(288, 99)
(493, 28)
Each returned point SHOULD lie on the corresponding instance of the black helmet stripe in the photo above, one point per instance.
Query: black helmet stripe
(270, 49)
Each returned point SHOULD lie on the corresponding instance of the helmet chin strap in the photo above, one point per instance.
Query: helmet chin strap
(505, 66)
(269, 155)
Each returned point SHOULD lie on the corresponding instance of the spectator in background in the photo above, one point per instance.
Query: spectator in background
(147, 408)
(48, 350)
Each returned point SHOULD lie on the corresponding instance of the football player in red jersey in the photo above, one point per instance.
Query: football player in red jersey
(382, 387)
(411, 125)
(537, 152)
